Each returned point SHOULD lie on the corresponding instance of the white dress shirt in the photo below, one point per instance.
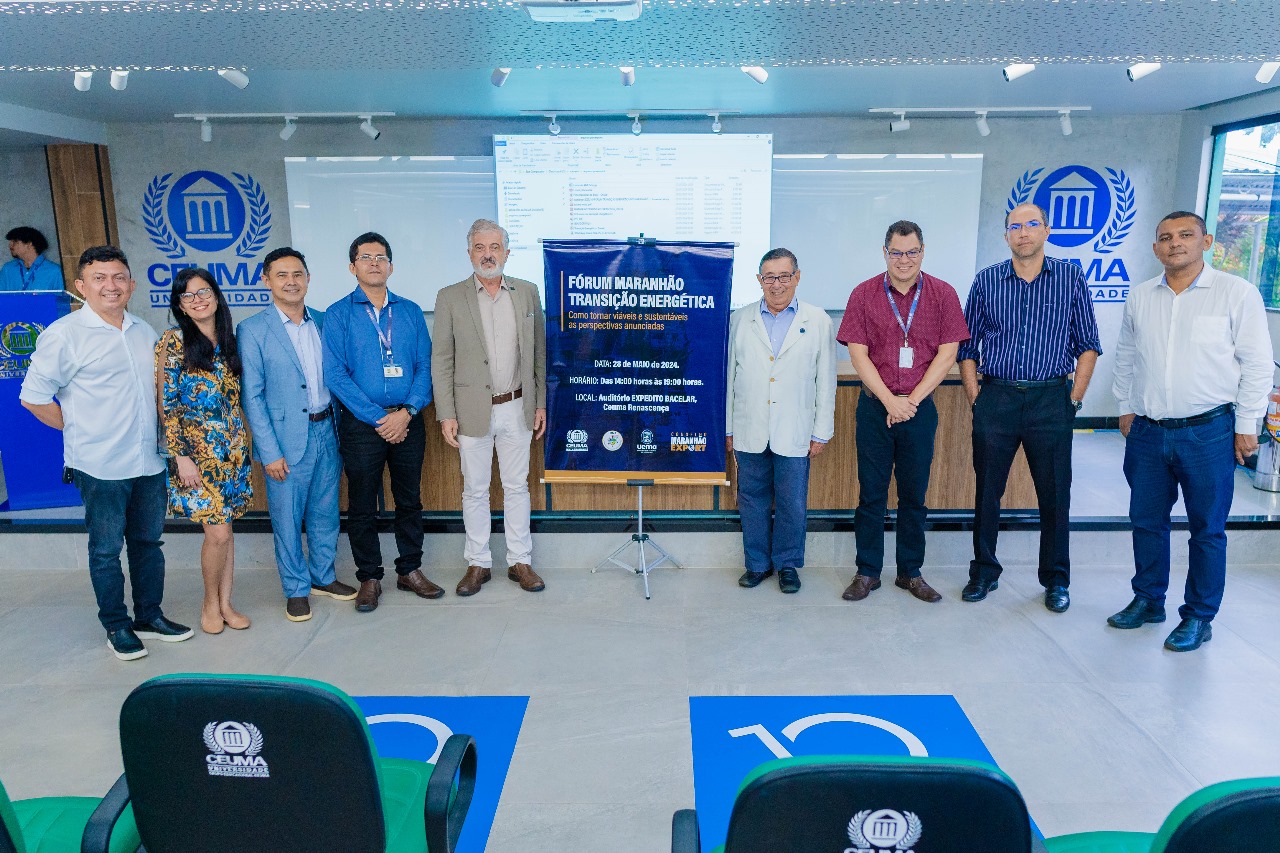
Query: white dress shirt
(105, 381)
(1180, 355)
(306, 344)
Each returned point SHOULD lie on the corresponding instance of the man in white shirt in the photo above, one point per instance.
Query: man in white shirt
(781, 413)
(1193, 370)
(100, 363)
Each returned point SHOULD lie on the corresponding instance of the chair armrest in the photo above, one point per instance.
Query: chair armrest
(97, 832)
(684, 832)
(449, 792)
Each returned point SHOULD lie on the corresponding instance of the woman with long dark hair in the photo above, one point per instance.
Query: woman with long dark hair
(205, 430)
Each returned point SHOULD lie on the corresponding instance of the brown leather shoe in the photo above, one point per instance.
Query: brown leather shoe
(918, 588)
(367, 598)
(860, 588)
(471, 581)
(523, 574)
(416, 582)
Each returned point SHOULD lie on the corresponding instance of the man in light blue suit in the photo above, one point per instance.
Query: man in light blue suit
(291, 414)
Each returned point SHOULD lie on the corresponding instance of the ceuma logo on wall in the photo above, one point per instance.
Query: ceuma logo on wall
(17, 343)
(1087, 212)
(234, 750)
(883, 830)
(208, 213)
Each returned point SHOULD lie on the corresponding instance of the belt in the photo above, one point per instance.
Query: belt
(508, 397)
(1194, 420)
(1024, 384)
(316, 417)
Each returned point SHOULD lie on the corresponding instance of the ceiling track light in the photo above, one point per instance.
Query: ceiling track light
(1017, 69)
(83, 80)
(206, 129)
(755, 72)
(119, 79)
(499, 76)
(635, 123)
(901, 123)
(984, 127)
(1064, 119)
(1266, 72)
(628, 74)
(367, 128)
(1141, 69)
(715, 123)
(234, 76)
(553, 128)
(290, 128)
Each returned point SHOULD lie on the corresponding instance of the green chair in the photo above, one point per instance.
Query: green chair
(59, 824)
(870, 803)
(1242, 816)
(250, 763)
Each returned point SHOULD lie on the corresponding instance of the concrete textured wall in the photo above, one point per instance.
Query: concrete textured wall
(24, 196)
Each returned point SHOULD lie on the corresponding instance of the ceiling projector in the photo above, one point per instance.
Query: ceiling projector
(582, 11)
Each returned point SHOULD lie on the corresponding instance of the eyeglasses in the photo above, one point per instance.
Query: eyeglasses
(373, 259)
(781, 278)
(202, 293)
(910, 254)
(1018, 226)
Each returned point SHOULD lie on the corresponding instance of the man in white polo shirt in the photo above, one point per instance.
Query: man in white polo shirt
(100, 364)
(1192, 374)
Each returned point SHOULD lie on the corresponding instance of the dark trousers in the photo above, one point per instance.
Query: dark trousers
(773, 502)
(1200, 460)
(129, 514)
(364, 455)
(904, 451)
(1039, 420)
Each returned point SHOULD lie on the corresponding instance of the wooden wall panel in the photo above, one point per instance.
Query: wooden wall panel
(84, 208)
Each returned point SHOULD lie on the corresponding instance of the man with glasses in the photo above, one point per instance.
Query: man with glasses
(781, 413)
(99, 362)
(490, 376)
(903, 329)
(1193, 368)
(1032, 324)
(377, 362)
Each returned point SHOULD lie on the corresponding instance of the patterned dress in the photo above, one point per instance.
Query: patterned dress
(203, 420)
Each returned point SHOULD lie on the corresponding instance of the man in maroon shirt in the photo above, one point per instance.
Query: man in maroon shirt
(903, 329)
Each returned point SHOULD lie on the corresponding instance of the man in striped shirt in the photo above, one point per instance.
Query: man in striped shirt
(1032, 324)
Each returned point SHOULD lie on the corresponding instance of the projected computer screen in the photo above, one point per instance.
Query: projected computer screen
(665, 186)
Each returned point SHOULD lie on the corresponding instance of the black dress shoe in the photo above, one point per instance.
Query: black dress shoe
(977, 590)
(788, 580)
(751, 580)
(1057, 599)
(1189, 635)
(1139, 612)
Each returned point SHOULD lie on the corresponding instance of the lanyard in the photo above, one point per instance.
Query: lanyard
(911, 315)
(385, 340)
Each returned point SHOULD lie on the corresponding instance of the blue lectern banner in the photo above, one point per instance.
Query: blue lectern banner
(636, 339)
(31, 452)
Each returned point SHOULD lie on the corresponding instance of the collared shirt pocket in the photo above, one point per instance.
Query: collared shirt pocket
(1211, 331)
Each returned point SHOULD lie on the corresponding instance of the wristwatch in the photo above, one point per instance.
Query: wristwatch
(413, 411)
(1076, 404)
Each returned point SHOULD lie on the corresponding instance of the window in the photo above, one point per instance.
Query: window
(1244, 203)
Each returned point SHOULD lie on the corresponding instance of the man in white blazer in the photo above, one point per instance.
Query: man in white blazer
(290, 412)
(781, 413)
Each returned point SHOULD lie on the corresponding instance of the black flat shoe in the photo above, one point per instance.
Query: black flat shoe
(788, 580)
(1189, 635)
(1057, 599)
(751, 580)
(1139, 612)
(977, 590)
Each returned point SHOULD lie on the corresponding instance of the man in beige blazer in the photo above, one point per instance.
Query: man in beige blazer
(781, 413)
(489, 371)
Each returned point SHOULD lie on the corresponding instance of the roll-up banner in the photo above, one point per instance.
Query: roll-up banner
(637, 333)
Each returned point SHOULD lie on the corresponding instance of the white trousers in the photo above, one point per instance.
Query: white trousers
(509, 436)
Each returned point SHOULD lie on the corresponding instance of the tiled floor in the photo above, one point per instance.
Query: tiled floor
(1100, 728)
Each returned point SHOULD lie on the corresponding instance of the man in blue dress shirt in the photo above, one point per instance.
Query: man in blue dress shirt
(29, 269)
(1032, 324)
(377, 362)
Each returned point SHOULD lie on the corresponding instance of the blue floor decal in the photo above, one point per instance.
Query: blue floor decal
(732, 735)
(417, 727)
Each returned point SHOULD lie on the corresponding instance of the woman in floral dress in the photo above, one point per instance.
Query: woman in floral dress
(205, 431)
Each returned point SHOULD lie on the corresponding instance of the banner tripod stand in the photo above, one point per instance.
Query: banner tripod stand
(639, 539)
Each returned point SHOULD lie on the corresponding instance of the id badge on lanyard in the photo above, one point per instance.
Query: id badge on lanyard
(390, 370)
(906, 355)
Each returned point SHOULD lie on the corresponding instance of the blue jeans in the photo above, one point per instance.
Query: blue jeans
(773, 502)
(1201, 461)
(129, 514)
(308, 494)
